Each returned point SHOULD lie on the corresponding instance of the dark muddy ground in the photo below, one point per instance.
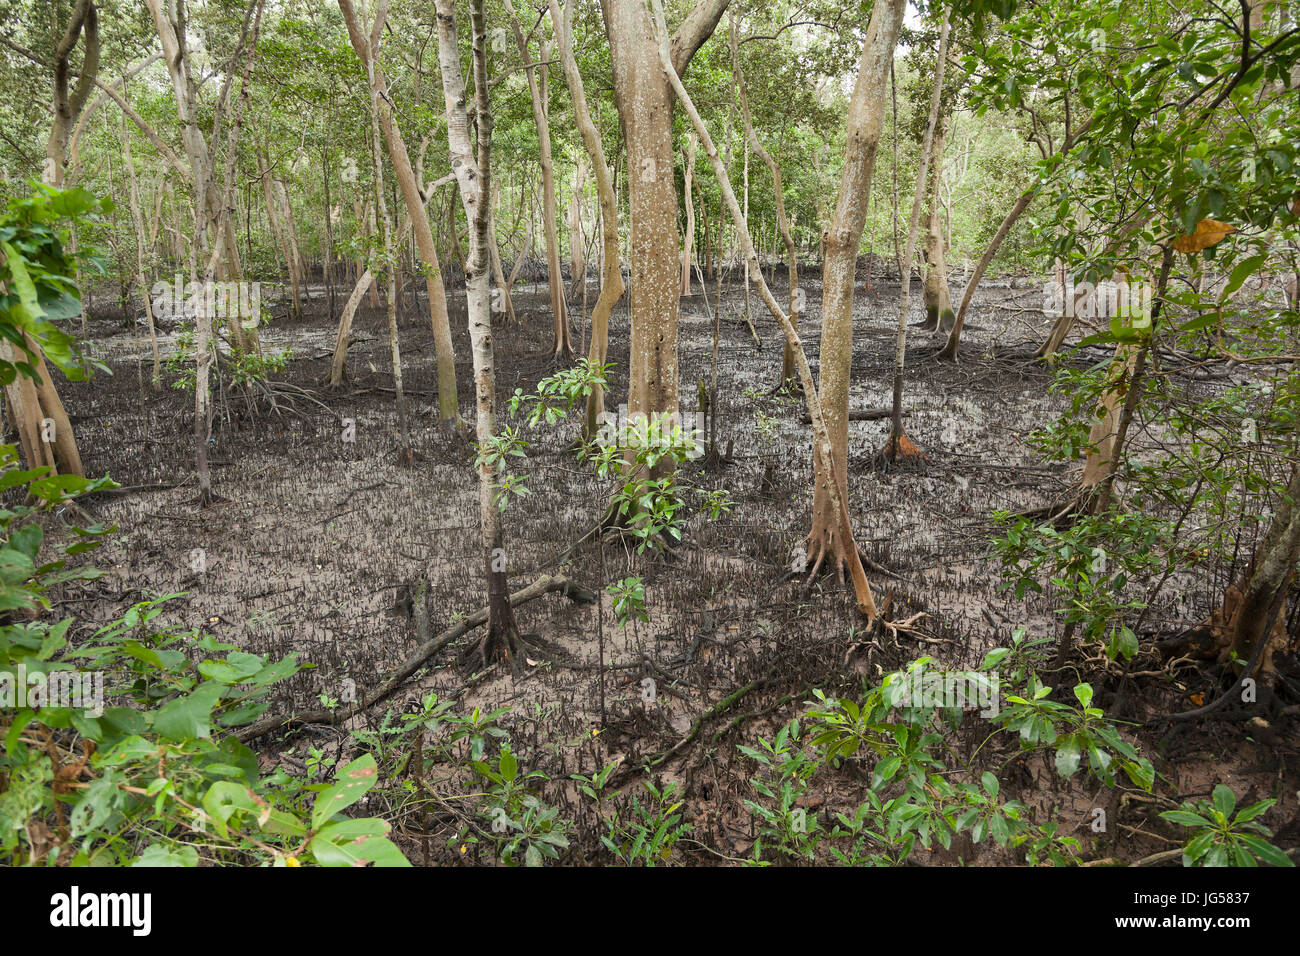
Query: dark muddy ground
(320, 540)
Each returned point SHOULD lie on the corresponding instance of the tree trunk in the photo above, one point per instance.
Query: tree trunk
(142, 280)
(938, 301)
(367, 49)
(645, 107)
(68, 105)
(474, 176)
(283, 248)
(840, 243)
(294, 254)
(1254, 609)
(611, 280)
(788, 378)
(563, 347)
(501, 296)
(577, 256)
(824, 454)
(171, 31)
(898, 441)
(954, 337)
(689, 239)
(36, 410)
(338, 368)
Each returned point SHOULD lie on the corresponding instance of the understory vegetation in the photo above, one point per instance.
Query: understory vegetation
(649, 433)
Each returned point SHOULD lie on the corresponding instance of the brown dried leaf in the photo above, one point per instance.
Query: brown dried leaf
(1208, 233)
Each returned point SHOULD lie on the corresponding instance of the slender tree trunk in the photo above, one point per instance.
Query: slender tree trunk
(473, 172)
(938, 302)
(171, 31)
(898, 441)
(577, 257)
(788, 378)
(142, 280)
(501, 295)
(954, 337)
(563, 347)
(367, 50)
(327, 254)
(279, 231)
(824, 452)
(611, 280)
(840, 242)
(338, 367)
(297, 277)
(689, 238)
(366, 229)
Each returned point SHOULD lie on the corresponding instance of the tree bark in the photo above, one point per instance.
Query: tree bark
(36, 409)
(611, 280)
(898, 441)
(824, 453)
(938, 299)
(563, 346)
(137, 221)
(645, 107)
(688, 239)
(367, 50)
(840, 243)
(473, 173)
(788, 377)
(338, 368)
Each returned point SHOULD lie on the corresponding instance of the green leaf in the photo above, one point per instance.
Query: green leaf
(353, 781)
(1067, 758)
(509, 766)
(1241, 272)
(356, 843)
(1225, 801)
(188, 717)
(990, 783)
(1266, 851)
(1185, 818)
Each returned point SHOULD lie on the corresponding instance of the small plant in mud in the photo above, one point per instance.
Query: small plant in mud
(629, 600)
(522, 828)
(240, 365)
(1095, 565)
(646, 834)
(443, 758)
(767, 431)
(642, 506)
(914, 796)
(784, 826)
(717, 503)
(1074, 732)
(1222, 837)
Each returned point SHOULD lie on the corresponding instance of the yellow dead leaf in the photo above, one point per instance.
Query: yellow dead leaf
(1208, 233)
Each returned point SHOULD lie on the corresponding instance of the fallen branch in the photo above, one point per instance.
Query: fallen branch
(860, 415)
(719, 708)
(428, 647)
